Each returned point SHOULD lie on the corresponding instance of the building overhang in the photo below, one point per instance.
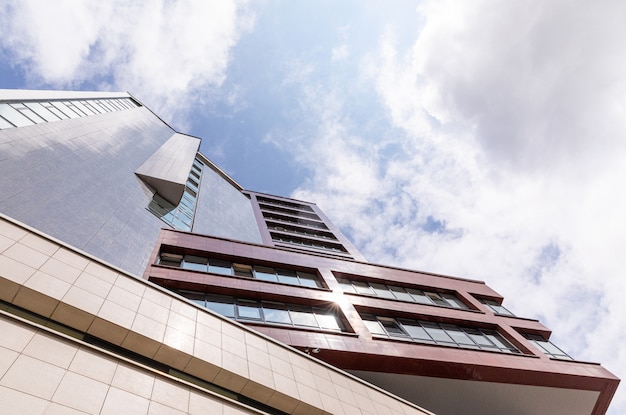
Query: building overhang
(167, 170)
(455, 396)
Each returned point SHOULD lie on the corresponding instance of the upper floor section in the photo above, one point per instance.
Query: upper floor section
(381, 323)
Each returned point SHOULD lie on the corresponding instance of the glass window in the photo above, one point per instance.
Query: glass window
(14, 116)
(453, 301)
(74, 108)
(416, 331)
(436, 299)
(362, 288)
(499, 309)
(220, 267)
(458, 335)
(327, 319)
(400, 293)
(479, 338)
(195, 263)
(437, 333)
(374, 327)
(276, 313)
(92, 106)
(419, 296)
(42, 111)
(302, 316)
(121, 103)
(381, 290)
(265, 273)
(196, 297)
(499, 342)
(548, 347)
(65, 109)
(54, 110)
(308, 280)
(392, 328)
(221, 304)
(181, 222)
(105, 104)
(243, 270)
(248, 310)
(5, 124)
(287, 277)
(346, 285)
(171, 260)
(85, 110)
(496, 308)
(28, 113)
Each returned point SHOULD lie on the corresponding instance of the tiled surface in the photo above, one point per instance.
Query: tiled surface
(73, 378)
(126, 311)
(75, 180)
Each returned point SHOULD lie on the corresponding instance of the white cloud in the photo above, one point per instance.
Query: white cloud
(512, 125)
(164, 52)
(339, 53)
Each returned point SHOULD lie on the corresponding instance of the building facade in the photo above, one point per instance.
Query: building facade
(249, 303)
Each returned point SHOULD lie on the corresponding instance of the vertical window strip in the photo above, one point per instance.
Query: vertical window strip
(181, 216)
(22, 114)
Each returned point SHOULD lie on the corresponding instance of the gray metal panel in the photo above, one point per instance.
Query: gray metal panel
(32, 94)
(223, 210)
(74, 180)
(166, 170)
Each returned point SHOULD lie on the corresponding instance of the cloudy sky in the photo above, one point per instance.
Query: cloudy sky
(481, 139)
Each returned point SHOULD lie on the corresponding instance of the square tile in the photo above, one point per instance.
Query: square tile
(94, 365)
(11, 230)
(71, 258)
(33, 376)
(83, 300)
(171, 394)
(48, 285)
(154, 311)
(204, 404)
(26, 255)
(124, 298)
(39, 243)
(149, 328)
(116, 314)
(7, 357)
(16, 402)
(81, 393)
(133, 380)
(14, 270)
(60, 270)
(93, 284)
(104, 273)
(119, 401)
(51, 349)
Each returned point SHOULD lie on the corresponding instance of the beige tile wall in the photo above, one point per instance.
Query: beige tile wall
(53, 280)
(43, 373)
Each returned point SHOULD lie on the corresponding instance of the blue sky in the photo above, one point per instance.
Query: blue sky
(482, 139)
